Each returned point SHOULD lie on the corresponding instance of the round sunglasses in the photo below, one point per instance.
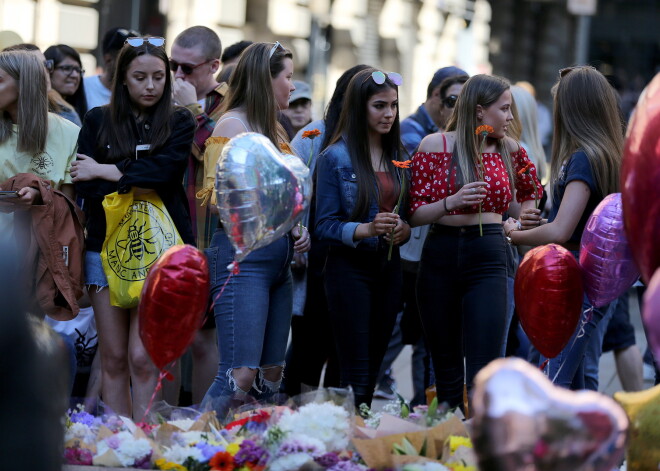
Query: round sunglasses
(450, 101)
(153, 40)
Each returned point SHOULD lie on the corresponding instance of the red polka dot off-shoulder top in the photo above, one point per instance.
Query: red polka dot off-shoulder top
(431, 181)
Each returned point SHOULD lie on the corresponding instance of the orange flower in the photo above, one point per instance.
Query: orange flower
(525, 170)
(222, 461)
(484, 129)
(402, 164)
(311, 134)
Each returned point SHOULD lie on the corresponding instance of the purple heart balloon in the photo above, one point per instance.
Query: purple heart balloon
(605, 256)
(651, 314)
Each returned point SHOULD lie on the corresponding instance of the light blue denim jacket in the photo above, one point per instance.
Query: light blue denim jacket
(336, 196)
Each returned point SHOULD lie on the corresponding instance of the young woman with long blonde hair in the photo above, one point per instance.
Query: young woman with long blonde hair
(462, 282)
(253, 314)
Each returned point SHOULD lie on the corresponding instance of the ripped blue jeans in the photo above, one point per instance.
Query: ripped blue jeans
(253, 314)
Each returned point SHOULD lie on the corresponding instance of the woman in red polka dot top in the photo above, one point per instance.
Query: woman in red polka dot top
(462, 183)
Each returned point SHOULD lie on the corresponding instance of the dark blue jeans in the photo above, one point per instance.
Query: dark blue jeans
(253, 314)
(462, 297)
(364, 297)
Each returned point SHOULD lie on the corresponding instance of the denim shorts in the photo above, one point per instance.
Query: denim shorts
(94, 274)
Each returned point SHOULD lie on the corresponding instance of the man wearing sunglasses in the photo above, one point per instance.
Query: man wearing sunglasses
(430, 117)
(97, 87)
(194, 61)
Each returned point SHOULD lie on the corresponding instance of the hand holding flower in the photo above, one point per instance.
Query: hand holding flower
(400, 233)
(302, 240)
(470, 194)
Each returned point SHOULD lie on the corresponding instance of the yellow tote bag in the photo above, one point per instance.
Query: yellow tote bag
(138, 230)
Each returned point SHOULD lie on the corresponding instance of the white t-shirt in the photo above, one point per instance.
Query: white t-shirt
(95, 92)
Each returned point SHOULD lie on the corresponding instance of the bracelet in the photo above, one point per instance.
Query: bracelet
(508, 234)
(445, 202)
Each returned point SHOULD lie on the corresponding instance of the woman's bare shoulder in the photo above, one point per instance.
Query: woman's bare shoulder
(437, 142)
(511, 144)
(230, 124)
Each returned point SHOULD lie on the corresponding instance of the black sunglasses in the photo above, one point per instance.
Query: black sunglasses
(187, 69)
(450, 101)
(69, 69)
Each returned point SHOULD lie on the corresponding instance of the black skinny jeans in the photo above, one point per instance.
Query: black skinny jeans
(462, 297)
(364, 297)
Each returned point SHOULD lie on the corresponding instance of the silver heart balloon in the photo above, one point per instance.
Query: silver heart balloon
(522, 422)
(261, 193)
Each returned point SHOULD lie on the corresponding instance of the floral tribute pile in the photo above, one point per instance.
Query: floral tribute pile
(309, 434)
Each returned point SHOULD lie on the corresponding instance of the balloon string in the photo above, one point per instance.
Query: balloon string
(159, 385)
(234, 270)
(586, 317)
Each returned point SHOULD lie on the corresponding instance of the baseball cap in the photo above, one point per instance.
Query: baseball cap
(114, 39)
(302, 90)
(442, 74)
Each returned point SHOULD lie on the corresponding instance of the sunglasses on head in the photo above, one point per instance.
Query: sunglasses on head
(153, 40)
(450, 101)
(379, 77)
(567, 70)
(69, 69)
(187, 69)
(274, 48)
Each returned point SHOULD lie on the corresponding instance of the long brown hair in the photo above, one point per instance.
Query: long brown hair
(354, 129)
(250, 87)
(32, 109)
(587, 118)
(120, 125)
(481, 90)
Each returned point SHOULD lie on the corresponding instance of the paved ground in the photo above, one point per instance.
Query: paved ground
(608, 379)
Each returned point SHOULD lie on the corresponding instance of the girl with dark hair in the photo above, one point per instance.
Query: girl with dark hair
(356, 193)
(66, 76)
(462, 183)
(140, 141)
(253, 314)
(587, 150)
(308, 353)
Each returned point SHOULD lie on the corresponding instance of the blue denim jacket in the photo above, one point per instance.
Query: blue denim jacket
(336, 195)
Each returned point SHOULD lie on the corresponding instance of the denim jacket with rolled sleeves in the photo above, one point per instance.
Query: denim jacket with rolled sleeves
(336, 196)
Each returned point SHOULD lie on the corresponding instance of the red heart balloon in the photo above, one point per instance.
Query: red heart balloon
(173, 302)
(640, 178)
(548, 292)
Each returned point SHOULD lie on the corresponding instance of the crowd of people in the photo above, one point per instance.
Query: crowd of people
(413, 236)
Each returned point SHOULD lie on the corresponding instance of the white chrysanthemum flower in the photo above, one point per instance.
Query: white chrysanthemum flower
(291, 462)
(127, 448)
(326, 422)
(79, 431)
(191, 438)
(179, 454)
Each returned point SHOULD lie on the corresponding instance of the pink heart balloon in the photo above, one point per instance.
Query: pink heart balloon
(640, 181)
(651, 314)
(607, 262)
(522, 422)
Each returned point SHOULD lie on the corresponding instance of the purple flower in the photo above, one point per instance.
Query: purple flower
(208, 450)
(113, 442)
(250, 452)
(144, 462)
(327, 460)
(346, 465)
(82, 417)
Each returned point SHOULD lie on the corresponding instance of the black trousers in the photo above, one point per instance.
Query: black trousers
(312, 344)
(364, 297)
(462, 297)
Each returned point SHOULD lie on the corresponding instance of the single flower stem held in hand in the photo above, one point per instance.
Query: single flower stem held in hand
(527, 170)
(401, 165)
(484, 130)
(311, 135)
